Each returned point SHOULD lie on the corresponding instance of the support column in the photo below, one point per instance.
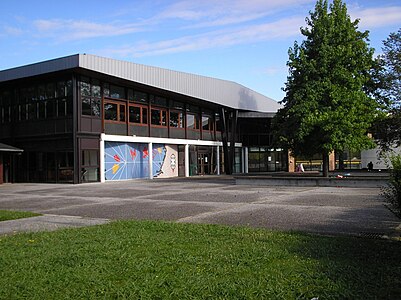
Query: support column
(101, 160)
(150, 154)
(1, 168)
(218, 160)
(243, 160)
(332, 161)
(246, 157)
(186, 162)
(232, 140)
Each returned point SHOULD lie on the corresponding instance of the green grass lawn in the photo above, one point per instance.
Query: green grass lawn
(157, 260)
(6, 215)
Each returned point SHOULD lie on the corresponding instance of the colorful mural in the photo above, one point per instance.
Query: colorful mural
(131, 160)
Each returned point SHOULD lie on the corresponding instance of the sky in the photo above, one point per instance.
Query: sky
(245, 41)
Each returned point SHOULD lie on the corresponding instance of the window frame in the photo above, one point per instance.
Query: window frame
(180, 121)
(141, 114)
(195, 126)
(161, 111)
(210, 123)
(118, 112)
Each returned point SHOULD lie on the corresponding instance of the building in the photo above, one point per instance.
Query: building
(85, 118)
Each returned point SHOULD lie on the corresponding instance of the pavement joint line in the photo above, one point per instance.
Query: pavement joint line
(209, 213)
(117, 201)
(47, 222)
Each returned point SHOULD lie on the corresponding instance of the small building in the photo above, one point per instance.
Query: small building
(85, 118)
(7, 154)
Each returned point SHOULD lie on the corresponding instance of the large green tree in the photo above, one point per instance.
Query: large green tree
(388, 81)
(327, 106)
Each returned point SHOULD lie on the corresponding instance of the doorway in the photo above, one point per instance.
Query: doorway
(204, 163)
(6, 168)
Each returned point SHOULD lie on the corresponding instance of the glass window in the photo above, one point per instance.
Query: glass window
(130, 94)
(177, 105)
(176, 119)
(32, 111)
(106, 89)
(207, 123)
(61, 107)
(31, 94)
(140, 97)
(110, 111)
(192, 108)
(69, 107)
(192, 121)
(134, 114)
(155, 117)
(160, 101)
(85, 86)
(69, 87)
(117, 92)
(114, 111)
(23, 112)
(96, 107)
(159, 117)
(218, 122)
(86, 106)
(42, 110)
(61, 89)
(144, 115)
(23, 96)
(49, 109)
(90, 158)
(96, 88)
(42, 92)
(7, 114)
(122, 113)
(50, 90)
(164, 117)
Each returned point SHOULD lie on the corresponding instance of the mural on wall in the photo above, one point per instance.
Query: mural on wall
(170, 166)
(131, 160)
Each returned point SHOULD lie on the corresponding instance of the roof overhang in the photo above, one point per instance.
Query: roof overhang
(9, 149)
(255, 114)
(222, 92)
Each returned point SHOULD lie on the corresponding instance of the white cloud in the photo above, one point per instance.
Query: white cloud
(67, 30)
(274, 70)
(13, 30)
(191, 14)
(7, 31)
(210, 13)
(378, 16)
(215, 39)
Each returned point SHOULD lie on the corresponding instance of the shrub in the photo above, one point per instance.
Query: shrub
(392, 192)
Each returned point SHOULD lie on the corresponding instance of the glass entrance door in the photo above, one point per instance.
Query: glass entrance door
(204, 164)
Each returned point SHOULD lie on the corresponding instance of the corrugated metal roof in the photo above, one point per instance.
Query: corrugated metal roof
(214, 90)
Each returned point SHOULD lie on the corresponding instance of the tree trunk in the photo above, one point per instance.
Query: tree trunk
(325, 164)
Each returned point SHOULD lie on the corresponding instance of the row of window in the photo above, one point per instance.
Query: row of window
(48, 109)
(90, 87)
(36, 93)
(138, 114)
(92, 91)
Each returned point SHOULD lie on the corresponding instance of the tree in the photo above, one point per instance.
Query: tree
(388, 78)
(327, 107)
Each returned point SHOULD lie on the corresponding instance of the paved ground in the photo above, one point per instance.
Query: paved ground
(326, 210)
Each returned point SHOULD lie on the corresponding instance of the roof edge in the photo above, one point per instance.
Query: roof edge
(39, 68)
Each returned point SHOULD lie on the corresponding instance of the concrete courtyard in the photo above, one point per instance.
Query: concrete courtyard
(213, 200)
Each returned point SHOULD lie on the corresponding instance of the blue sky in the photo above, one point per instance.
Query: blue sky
(245, 41)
